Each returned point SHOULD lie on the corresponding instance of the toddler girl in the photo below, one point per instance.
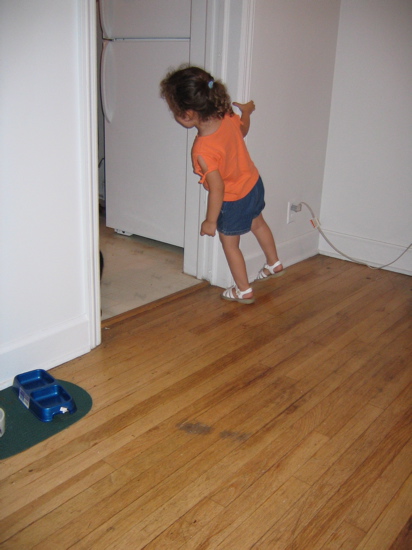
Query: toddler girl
(221, 159)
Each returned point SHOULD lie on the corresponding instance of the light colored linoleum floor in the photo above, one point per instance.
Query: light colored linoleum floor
(138, 271)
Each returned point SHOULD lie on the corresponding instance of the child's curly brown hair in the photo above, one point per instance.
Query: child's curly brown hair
(192, 88)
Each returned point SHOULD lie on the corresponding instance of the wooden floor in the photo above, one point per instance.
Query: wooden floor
(281, 425)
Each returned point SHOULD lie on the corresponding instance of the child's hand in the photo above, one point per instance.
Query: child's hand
(208, 228)
(246, 108)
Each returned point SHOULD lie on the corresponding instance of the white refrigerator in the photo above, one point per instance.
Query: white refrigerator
(145, 149)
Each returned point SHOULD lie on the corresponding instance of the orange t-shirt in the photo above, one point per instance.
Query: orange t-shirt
(225, 150)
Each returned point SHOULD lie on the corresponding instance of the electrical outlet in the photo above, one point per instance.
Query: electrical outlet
(293, 208)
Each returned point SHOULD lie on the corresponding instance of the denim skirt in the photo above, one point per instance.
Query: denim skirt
(236, 217)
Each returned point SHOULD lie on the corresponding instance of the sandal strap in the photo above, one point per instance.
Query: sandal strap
(271, 268)
(228, 293)
(241, 293)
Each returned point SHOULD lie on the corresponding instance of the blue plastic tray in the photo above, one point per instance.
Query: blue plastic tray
(33, 380)
(39, 392)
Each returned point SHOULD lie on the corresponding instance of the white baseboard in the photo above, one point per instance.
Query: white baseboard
(374, 253)
(44, 350)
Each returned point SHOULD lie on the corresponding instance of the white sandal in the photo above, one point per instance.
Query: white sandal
(228, 295)
(271, 269)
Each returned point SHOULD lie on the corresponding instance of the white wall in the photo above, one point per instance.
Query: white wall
(367, 194)
(291, 83)
(46, 183)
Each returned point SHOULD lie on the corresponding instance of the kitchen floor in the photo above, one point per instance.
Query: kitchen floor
(138, 271)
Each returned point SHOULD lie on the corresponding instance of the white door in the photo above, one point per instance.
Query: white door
(146, 18)
(146, 150)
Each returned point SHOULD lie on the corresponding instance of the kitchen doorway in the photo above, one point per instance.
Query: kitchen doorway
(136, 270)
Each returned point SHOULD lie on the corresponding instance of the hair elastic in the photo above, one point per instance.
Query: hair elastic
(210, 83)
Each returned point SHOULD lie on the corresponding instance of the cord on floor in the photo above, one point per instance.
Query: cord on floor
(316, 224)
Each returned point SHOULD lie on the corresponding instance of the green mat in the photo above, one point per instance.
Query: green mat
(24, 429)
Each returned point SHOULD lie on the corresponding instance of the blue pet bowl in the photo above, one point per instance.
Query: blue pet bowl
(40, 393)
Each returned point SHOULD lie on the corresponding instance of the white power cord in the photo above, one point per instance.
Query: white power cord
(316, 224)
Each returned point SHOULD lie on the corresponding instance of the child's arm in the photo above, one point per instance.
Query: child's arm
(246, 110)
(214, 203)
(214, 200)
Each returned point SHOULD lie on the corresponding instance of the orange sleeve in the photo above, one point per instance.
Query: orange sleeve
(212, 161)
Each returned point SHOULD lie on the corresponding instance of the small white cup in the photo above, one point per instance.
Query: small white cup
(2, 422)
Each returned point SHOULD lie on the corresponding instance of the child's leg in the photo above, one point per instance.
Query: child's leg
(236, 261)
(265, 238)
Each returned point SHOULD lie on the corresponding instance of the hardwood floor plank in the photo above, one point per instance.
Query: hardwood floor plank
(345, 537)
(368, 508)
(181, 471)
(180, 532)
(329, 453)
(139, 534)
(363, 385)
(250, 530)
(132, 490)
(268, 458)
(404, 539)
(324, 507)
(286, 424)
(391, 522)
(243, 507)
(354, 487)
(57, 496)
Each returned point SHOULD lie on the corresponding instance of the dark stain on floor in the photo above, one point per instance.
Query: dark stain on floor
(196, 428)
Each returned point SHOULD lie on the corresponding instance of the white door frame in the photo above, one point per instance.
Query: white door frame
(221, 41)
(89, 151)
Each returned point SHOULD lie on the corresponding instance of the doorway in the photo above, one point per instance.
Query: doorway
(138, 270)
